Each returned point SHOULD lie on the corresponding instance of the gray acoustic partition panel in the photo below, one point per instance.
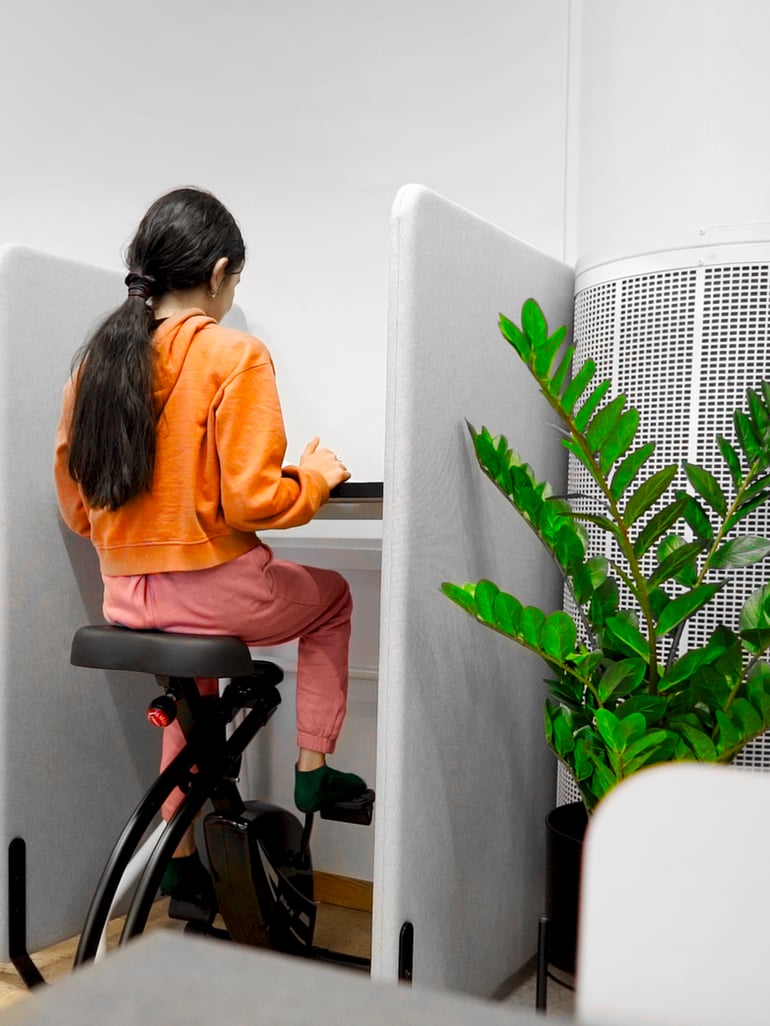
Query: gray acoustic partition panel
(75, 751)
(464, 777)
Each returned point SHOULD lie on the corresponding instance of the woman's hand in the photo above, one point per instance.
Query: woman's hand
(325, 462)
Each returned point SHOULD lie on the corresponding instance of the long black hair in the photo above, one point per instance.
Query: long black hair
(112, 438)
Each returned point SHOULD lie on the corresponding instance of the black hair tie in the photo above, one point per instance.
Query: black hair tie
(139, 284)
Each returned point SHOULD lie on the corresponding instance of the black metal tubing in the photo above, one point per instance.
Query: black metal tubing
(149, 881)
(176, 773)
(208, 782)
(342, 959)
(206, 747)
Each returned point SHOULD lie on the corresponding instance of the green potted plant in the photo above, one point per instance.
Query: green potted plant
(626, 689)
(623, 695)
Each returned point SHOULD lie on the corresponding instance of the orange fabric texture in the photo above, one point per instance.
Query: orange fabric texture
(219, 474)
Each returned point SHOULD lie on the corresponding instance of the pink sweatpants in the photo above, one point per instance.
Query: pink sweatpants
(263, 601)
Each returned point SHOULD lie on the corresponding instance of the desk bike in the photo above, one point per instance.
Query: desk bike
(259, 854)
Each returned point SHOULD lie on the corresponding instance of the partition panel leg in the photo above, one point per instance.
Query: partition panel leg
(17, 914)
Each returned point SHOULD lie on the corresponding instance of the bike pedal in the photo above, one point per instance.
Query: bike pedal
(358, 810)
(190, 912)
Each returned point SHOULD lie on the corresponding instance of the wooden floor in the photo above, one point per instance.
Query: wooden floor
(337, 927)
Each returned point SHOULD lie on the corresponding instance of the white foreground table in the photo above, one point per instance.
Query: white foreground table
(164, 979)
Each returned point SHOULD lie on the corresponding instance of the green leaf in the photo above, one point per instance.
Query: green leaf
(728, 736)
(659, 599)
(646, 750)
(609, 728)
(557, 379)
(461, 596)
(747, 717)
(546, 351)
(758, 484)
(758, 411)
(604, 423)
(758, 691)
(486, 452)
(658, 525)
(731, 458)
(629, 468)
(745, 508)
(533, 322)
(604, 602)
(577, 452)
(602, 522)
(603, 779)
(622, 678)
(532, 620)
(677, 559)
(558, 636)
(587, 662)
(506, 611)
(567, 691)
(629, 636)
(486, 593)
(747, 436)
(652, 707)
(744, 551)
(699, 743)
(550, 711)
(569, 549)
(683, 607)
(577, 386)
(599, 568)
(582, 765)
(648, 493)
(686, 667)
(695, 516)
(754, 619)
(631, 729)
(514, 335)
(559, 731)
(706, 485)
(586, 410)
(711, 690)
(760, 675)
(618, 443)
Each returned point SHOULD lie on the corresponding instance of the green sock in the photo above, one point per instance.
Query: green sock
(324, 786)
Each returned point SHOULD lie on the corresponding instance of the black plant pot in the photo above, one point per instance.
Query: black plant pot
(565, 830)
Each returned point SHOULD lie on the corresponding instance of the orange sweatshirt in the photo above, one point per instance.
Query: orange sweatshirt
(219, 473)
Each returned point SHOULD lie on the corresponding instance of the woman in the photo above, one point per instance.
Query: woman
(169, 457)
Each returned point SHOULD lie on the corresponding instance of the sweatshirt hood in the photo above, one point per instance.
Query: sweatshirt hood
(172, 340)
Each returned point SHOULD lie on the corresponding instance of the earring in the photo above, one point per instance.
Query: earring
(214, 294)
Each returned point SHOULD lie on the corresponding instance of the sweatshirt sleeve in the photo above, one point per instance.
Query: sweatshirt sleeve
(257, 491)
(71, 507)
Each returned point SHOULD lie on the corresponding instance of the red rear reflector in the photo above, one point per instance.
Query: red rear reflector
(158, 717)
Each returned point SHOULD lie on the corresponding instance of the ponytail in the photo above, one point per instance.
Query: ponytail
(112, 438)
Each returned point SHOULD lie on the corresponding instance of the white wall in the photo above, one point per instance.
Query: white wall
(305, 118)
(670, 118)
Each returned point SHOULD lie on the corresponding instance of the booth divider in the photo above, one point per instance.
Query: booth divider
(464, 777)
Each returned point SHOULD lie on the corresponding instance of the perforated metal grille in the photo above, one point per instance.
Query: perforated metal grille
(683, 345)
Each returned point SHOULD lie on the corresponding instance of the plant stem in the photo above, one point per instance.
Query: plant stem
(639, 586)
